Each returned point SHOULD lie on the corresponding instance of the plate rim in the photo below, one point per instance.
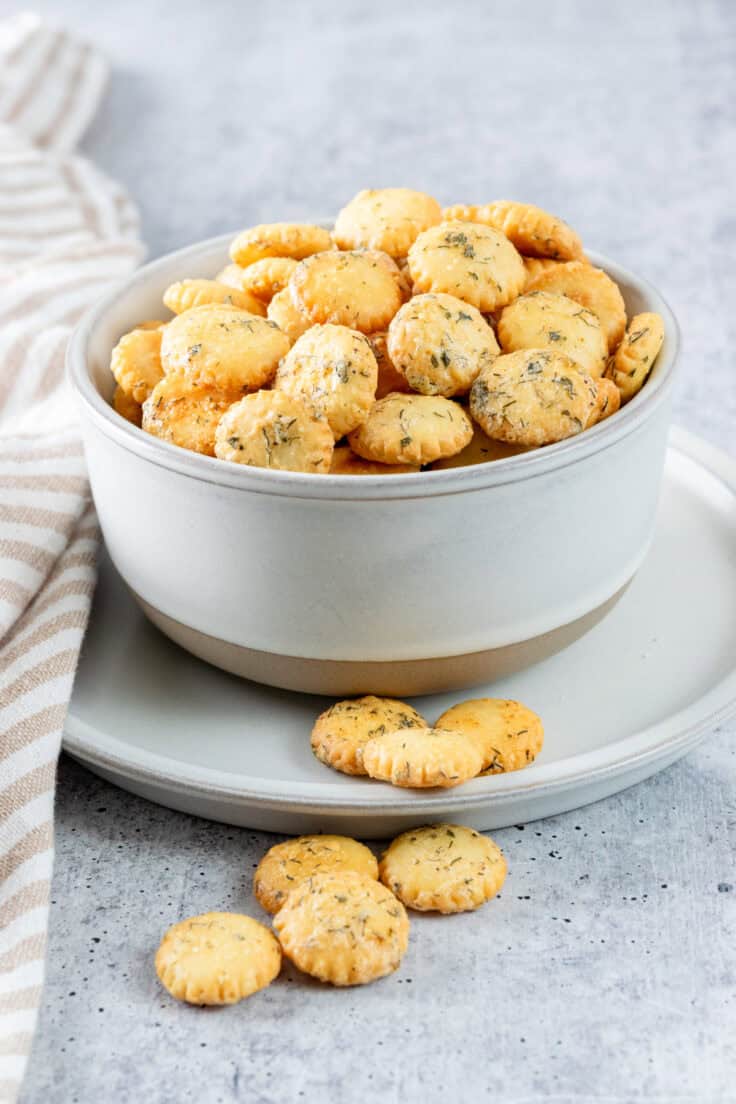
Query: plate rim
(668, 738)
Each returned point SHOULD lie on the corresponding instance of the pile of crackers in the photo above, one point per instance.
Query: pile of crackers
(407, 338)
(340, 915)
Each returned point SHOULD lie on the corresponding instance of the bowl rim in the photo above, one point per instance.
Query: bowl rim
(350, 487)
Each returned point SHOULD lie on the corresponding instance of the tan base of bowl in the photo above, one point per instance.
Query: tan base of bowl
(345, 678)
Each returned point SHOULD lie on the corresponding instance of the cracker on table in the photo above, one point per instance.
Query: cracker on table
(343, 928)
(217, 958)
(287, 864)
(443, 868)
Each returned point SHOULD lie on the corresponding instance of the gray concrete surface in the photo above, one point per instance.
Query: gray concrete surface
(606, 971)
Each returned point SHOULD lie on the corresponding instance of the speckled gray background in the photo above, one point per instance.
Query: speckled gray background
(606, 973)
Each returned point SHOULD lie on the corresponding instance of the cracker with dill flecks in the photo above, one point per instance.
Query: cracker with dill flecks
(533, 397)
(472, 262)
(279, 239)
(607, 402)
(508, 734)
(412, 429)
(591, 287)
(547, 320)
(186, 294)
(331, 369)
(632, 362)
(443, 868)
(389, 219)
(343, 928)
(185, 413)
(341, 732)
(222, 346)
(422, 758)
(286, 864)
(271, 429)
(356, 289)
(439, 343)
(534, 232)
(217, 958)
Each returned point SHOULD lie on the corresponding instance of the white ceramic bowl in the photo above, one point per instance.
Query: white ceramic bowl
(397, 584)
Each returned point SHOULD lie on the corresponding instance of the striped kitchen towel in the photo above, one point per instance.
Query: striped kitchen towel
(66, 232)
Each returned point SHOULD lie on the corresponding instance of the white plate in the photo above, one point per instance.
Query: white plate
(627, 699)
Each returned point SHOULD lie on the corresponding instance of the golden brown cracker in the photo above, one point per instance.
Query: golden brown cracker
(217, 958)
(412, 429)
(508, 734)
(279, 239)
(356, 289)
(342, 731)
(331, 369)
(422, 758)
(543, 319)
(472, 262)
(223, 347)
(443, 868)
(440, 343)
(389, 219)
(533, 397)
(343, 928)
(186, 414)
(287, 864)
(271, 429)
(632, 362)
